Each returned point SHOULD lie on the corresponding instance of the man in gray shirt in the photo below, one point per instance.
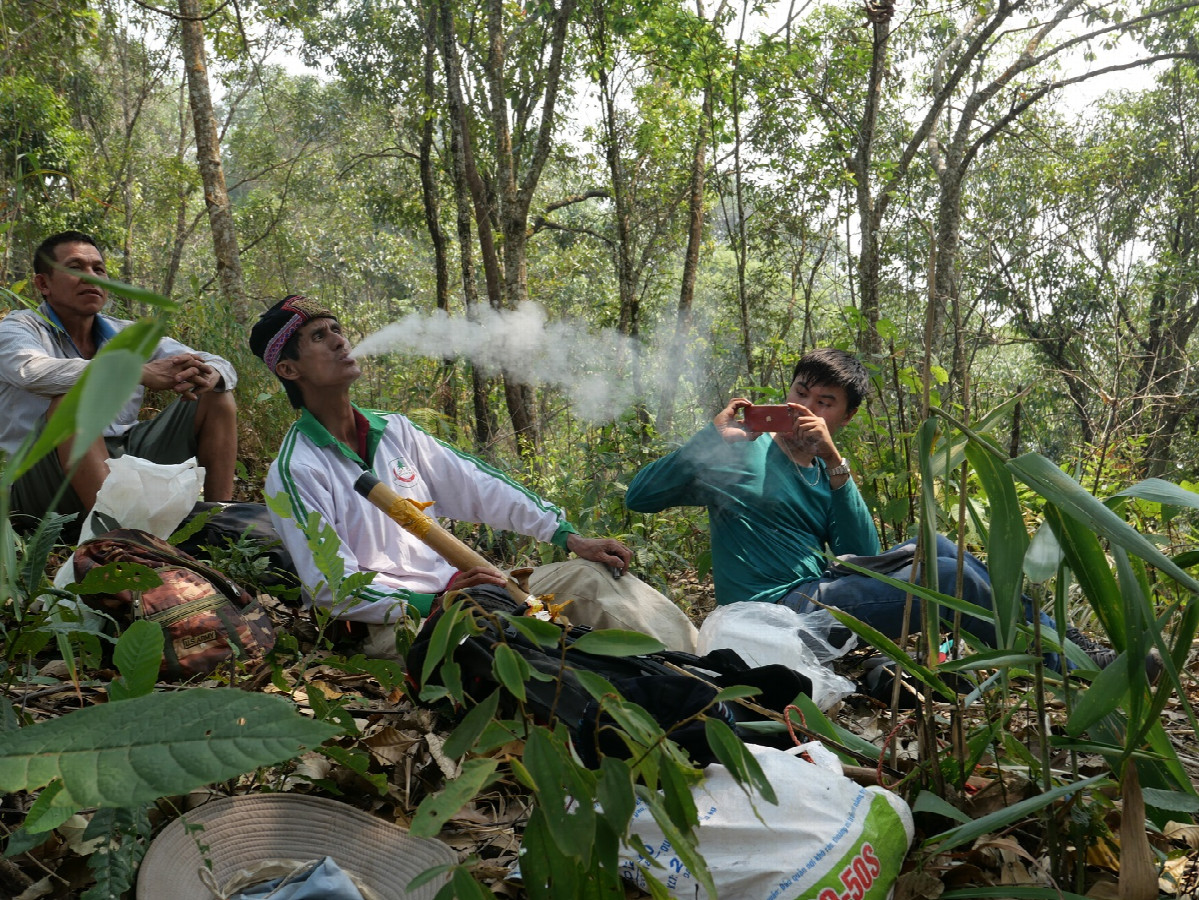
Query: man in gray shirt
(44, 352)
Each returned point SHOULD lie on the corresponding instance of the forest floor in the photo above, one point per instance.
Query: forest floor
(403, 741)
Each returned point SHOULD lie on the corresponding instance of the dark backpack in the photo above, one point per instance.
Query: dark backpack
(206, 619)
(671, 686)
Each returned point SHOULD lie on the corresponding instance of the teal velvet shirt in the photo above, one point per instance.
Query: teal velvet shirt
(768, 523)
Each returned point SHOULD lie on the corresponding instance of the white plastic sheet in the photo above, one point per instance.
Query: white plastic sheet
(141, 494)
(767, 633)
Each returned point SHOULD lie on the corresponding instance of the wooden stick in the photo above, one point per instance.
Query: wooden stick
(409, 516)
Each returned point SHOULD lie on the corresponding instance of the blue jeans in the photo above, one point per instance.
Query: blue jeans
(881, 606)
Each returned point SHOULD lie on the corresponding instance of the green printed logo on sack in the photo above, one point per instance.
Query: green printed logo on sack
(828, 839)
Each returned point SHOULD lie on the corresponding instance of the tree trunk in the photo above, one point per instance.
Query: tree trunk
(446, 398)
(181, 229)
(468, 192)
(870, 211)
(695, 237)
(208, 156)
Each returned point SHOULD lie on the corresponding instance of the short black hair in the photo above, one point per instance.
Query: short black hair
(291, 350)
(45, 256)
(830, 366)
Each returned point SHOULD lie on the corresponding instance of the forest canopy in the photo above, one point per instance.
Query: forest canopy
(997, 201)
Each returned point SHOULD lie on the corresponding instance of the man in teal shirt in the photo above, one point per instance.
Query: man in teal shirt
(774, 504)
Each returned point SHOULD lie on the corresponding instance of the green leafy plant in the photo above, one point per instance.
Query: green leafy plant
(581, 817)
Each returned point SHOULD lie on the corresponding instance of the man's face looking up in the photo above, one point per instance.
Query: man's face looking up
(324, 359)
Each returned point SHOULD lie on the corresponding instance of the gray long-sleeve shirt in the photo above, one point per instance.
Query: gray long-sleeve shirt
(39, 361)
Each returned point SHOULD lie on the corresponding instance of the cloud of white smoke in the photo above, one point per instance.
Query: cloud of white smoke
(589, 365)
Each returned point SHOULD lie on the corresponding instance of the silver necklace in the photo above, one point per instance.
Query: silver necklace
(803, 477)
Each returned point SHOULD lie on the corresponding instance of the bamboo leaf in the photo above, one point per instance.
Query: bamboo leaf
(1006, 545)
(1158, 490)
(928, 802)
(1089, 564)
(115, 373)
(1105, 695)
(1064, 492)
(965, 834)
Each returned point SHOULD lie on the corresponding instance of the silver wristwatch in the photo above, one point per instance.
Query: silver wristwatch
(842, 469)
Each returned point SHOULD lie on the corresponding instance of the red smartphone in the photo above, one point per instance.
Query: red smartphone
(769, 417)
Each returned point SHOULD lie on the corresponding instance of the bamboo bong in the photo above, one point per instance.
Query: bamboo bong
(409, 515)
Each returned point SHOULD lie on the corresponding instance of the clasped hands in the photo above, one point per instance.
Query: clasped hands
(185, 374)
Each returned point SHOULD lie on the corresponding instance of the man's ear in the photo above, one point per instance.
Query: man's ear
(849, 415)
(286, 369)
(42, 283)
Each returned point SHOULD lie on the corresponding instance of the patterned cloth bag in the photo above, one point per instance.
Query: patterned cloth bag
(206, 619)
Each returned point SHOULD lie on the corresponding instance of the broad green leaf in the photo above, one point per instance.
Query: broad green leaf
(466, 888)
(122, 754)
(614, 642)
(44, 815)
(446, 632)
(437, 809)
(996, 821)
(734, 754)
(614, 793)
(682, 842)
(543, 634)
(138, 656)
(511, 670)
(103, 397)
(472, 726)
(1174, 801)
(111, 578)
(1064, 492)
(595, 684)
(560, 783)
(676, 794)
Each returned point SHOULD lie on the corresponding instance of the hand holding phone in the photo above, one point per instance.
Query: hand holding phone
(769, 418)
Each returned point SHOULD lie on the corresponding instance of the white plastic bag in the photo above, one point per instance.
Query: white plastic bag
(140, 494)
(767, 633)
(828, 838)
